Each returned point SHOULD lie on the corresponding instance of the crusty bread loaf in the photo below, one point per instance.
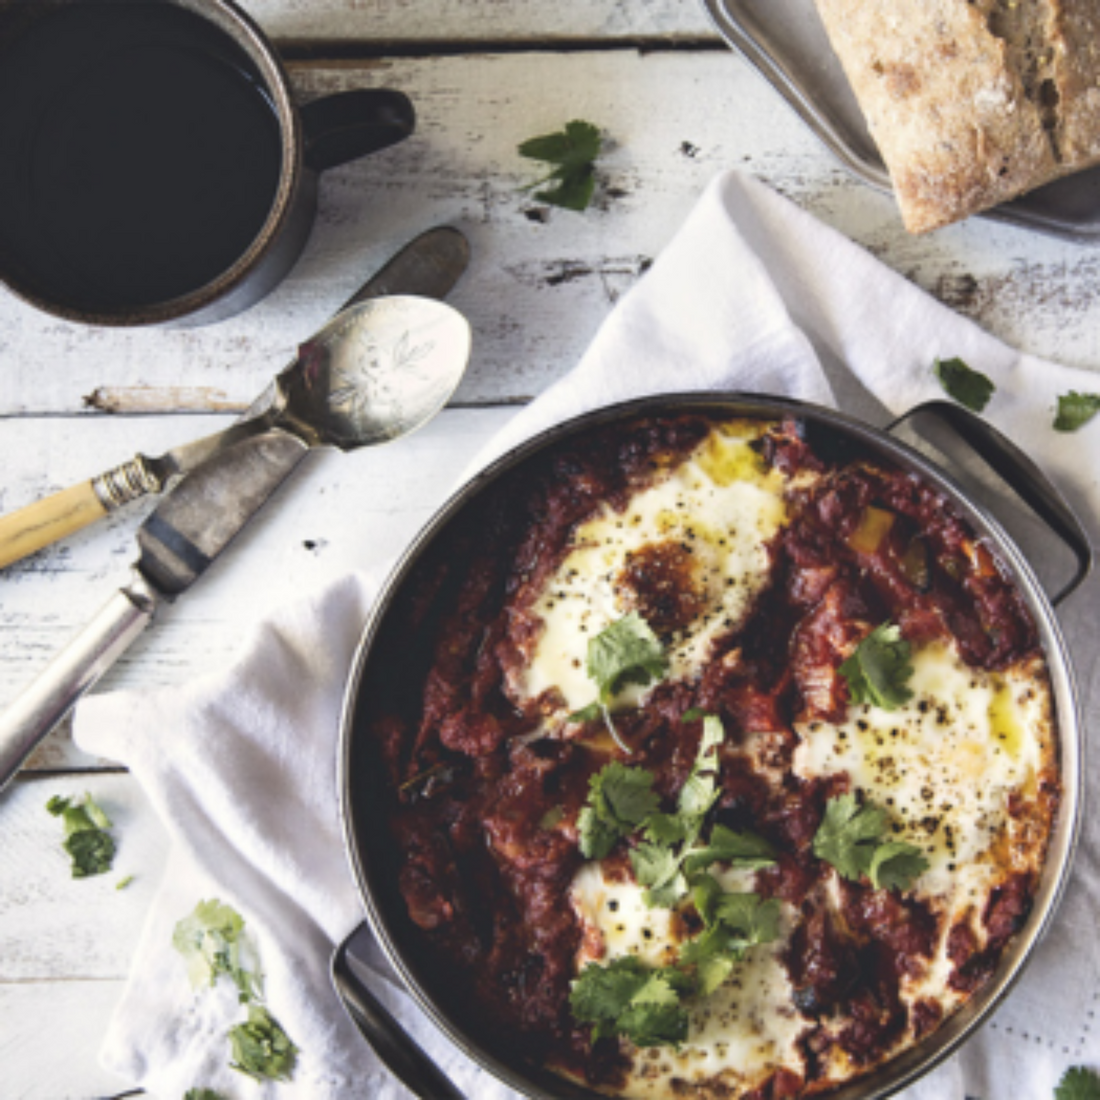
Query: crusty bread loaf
(972, 102)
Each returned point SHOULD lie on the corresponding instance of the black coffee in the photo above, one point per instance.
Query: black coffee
(139, 153)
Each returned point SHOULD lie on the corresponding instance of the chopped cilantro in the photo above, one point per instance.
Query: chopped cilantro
(655, 864)
(966, 385)
(202, 1094)
(658, 868)
(1078, 1083)
(850, 838)
(627, 998)
(1075, 409)
(727, 846)
(573, 151)
(261, 1049)
(667, 872)
(733, 923)
(878, 671)
(87, 841)
(620, 798)
(211, 940)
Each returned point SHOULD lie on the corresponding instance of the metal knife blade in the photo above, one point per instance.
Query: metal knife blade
(199, 518)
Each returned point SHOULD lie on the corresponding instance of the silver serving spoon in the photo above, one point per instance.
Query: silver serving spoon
(376, 371)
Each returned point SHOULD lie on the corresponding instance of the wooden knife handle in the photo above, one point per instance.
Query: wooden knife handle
(29, 529)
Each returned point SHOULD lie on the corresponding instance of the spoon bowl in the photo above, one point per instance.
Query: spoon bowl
(377, 371)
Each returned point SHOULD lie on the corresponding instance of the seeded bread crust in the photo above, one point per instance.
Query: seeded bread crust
(972, 102)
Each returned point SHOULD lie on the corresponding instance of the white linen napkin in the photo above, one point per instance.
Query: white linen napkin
(752, 294)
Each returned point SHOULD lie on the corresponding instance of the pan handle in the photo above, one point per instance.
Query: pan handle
(402, 1056)
(1018, 471)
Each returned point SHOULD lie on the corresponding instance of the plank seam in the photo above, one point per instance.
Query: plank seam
(324, 52)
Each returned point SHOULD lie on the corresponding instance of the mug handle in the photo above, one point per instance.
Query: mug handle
(349, 125)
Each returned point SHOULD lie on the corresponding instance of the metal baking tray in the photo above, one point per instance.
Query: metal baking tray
(786, 42)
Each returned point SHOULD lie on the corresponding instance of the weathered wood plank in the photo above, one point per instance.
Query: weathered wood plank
(542, 280)
(40, 939)
(65, 943)
(416, 21)
(339, 513)
(50, 1034)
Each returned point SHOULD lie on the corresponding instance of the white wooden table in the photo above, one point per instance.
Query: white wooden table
(484, 75)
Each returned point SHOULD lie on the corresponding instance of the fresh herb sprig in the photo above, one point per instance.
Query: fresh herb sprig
(969, 387)
(626, 652)
(732, 924)
(261, 1048)
(626, 997)
(668, 858)
(619, 800)
(1075, 410)
(850, 837)
(572, 151)
(878, 671)
(212, 941)
(87, 840)
(1078, 1083)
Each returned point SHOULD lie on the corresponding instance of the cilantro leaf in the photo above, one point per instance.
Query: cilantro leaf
(757, 921)
(658, 868)
(92, 851)
(895, 865)
(667, 829)
(849, 834)
(712, 969)
(573, 150)
(212, 941)
(734, 922)
(700, 789)
(727, 846)
(850, 838)
(87, 841)
(1075, 409)
(620, 798)
(627, 998)
(626, 652)
(656, 865)
(966, 385)
(878, 671)
(261, 1048)
(1078, 1083)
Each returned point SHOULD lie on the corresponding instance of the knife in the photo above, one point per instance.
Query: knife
(428, 266)
(197, 520)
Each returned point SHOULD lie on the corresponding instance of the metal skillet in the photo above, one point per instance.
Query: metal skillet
(374, 861)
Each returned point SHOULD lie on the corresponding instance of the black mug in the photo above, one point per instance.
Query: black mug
(154, 168)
